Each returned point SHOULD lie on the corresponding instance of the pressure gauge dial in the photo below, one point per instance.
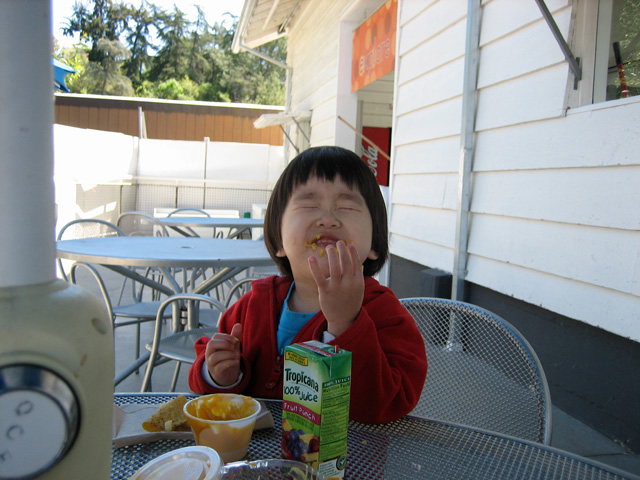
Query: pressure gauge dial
(39, 420)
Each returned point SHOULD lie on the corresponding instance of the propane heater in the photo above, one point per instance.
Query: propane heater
(56, 341)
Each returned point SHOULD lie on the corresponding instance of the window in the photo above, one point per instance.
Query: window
(617, 61)
(607, 41)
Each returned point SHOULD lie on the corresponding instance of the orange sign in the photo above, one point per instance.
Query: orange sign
(374, 46)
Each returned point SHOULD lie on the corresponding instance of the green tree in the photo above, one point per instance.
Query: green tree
(77, 57)
(105, 78)
(106, 20)
(188, 60)
(138, 37)
(172, 59)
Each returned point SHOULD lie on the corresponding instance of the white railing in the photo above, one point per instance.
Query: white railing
(101, 174)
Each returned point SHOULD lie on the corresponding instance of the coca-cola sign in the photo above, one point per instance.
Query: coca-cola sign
(378, 164)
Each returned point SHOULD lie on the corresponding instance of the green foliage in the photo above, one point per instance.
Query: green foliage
(77, 57)
(629, 22)
(149, 52)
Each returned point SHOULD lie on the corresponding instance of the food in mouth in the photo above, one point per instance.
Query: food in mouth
(312, 243)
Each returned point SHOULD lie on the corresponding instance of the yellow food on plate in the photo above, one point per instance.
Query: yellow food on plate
(169, 417)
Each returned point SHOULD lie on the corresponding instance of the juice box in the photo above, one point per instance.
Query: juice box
(315, 408)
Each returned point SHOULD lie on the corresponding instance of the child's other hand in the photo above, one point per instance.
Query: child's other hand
(341, 293)
(223, 356)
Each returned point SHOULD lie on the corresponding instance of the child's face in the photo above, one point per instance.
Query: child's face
(320, 213)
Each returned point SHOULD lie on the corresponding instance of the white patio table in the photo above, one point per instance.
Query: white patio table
(227, 256)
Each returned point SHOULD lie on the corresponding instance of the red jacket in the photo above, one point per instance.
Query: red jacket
(389, 364)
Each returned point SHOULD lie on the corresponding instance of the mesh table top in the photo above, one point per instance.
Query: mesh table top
(411, 448)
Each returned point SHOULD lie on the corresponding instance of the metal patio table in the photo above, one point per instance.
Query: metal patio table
(409, 448)
(229, 258)
(185, 225)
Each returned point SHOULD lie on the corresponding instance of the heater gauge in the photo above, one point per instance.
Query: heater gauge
(39, 420)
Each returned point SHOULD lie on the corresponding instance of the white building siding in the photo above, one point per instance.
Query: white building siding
(313, 56)
(554, 214)
(555, 218)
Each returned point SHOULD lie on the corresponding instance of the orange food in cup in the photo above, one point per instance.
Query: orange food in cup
(224, 422)
(218, 407)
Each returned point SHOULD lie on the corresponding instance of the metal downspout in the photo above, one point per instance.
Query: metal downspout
(467, 144)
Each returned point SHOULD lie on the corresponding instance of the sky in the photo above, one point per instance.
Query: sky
(214, 11)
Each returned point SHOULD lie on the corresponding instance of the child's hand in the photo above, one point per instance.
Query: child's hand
(340, 295)
(223, 356)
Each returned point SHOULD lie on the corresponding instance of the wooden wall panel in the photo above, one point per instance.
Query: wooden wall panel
(168, 121)
(103, 119)
(62, 115)
(218, 129)
(94, 120)
(172, 126)
(83, 116)
(198, 128)
(208, 126)
(181, 125)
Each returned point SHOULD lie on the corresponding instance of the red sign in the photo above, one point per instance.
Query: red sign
(374, 46)
(378, 164)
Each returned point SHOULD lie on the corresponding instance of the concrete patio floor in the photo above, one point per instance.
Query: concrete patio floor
(568, 433)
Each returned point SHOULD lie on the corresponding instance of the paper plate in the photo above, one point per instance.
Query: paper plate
(189, 463)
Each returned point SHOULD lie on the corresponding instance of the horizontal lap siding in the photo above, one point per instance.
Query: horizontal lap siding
(426, 132)
(587, 196)
(313, 57)
(377, 100)
(167, 121)
(554, 214)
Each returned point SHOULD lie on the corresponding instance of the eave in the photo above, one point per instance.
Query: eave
(262, 21)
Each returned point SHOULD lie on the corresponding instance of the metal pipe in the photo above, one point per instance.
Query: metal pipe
(573, 62)
(27, 216)
(467, 144)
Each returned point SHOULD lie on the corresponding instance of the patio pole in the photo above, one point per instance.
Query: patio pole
(56, 346)
(27, 236)
(467, 144)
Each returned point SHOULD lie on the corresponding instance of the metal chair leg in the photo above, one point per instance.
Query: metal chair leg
(174, 380)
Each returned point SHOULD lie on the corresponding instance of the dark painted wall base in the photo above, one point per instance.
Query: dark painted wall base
(593, 375)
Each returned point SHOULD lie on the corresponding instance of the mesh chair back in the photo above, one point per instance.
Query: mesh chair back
(88, 228)
(482, 371)
(188, 211)
(141, 224)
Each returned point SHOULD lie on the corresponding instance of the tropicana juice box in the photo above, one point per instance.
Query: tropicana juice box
(315, 409)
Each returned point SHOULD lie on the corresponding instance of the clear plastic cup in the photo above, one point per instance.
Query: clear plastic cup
(273, 469)
(189, 463)
(230, 435)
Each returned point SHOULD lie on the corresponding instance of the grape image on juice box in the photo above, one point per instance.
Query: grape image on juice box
(315, 408)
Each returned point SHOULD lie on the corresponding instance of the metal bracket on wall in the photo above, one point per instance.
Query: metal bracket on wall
(574, 63)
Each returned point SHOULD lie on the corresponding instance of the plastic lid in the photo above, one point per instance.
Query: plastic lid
(189, 463)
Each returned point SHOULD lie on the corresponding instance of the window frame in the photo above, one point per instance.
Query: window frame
(589, 40)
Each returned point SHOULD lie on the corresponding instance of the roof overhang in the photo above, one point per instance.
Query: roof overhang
(284, 118)
(262, 21)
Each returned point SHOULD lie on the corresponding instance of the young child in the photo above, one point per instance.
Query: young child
(326, 229)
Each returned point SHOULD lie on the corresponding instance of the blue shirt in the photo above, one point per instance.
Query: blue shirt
(290, 323)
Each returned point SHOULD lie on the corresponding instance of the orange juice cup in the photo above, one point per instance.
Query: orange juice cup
(224, 422)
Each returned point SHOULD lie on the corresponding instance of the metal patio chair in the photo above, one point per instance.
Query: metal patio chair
(136, 223)
(482, 372)
(197, 322)
(134, 313)
(141, 224)
(85, 228)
